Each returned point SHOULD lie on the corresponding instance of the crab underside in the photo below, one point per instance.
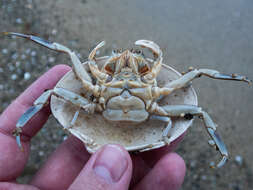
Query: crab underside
(125, 98)
(95, 131)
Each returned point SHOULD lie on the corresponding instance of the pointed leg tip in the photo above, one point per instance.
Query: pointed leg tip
(249, 82)
(223, 161)
(18, 140)
(102, 43)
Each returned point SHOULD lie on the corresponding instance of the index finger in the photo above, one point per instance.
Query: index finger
(9, 117)
(11, 156)
(145, 161)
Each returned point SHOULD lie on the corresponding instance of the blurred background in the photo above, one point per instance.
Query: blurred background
(203, 34)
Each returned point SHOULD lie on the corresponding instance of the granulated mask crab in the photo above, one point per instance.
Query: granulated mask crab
(125, 98)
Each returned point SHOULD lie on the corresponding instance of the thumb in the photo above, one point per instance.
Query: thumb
(109, 168)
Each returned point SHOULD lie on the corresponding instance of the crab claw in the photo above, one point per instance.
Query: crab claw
(150, 45)
(219, 145)
(101, 76)
(93, 52)
(150, 76)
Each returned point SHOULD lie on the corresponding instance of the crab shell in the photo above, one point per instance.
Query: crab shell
(95, 131)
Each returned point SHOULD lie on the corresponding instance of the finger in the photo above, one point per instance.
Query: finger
(167, 174)
(153, 156)
(63, 165)
(140, 169)
(14, 186)
(12, 157)
(145, 161)
(110, 168)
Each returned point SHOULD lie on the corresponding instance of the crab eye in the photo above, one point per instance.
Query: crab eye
(137, 51)
(114, 51)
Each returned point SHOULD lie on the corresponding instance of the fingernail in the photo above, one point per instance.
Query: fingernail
(111, 163)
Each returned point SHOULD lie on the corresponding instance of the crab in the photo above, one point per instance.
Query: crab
(122, 89)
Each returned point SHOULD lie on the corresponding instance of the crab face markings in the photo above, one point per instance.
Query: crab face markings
(126, 97)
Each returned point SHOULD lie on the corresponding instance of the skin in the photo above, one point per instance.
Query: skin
(71, 166)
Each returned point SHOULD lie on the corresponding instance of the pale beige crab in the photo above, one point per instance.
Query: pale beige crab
(125, 98)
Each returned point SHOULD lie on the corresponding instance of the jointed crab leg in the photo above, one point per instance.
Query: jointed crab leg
(157, 63)
(78, 67)
(166, 131)
(188, 77)
(188, 111)
(43, 100)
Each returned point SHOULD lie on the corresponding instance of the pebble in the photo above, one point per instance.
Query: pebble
(4, 51)
(42, 144)
(33, 147)
(29, 6)
(1, 70)
(14, 56)
(238, 160)
(9, 9)
(1, 87)
(27, 76)
(51, 59)
(44, 57)
(14, 77)
(203, 177)
(17, 64)
(23, 56)
(193, 163)
(19, 21)
(54, 31)
(27, 51)
(11, 67)
(41, 153)
(33, 53)
(212, 164)
(54, 136)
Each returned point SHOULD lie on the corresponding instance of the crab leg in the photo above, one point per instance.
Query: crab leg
(157, 54)
(157, 91)
(187, 112)
(43, 100)
(167, 128)
(188, 77)
(78, 67)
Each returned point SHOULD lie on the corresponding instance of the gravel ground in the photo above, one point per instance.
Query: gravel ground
(206, 34)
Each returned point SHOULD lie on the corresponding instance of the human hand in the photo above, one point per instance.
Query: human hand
(71, 166)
